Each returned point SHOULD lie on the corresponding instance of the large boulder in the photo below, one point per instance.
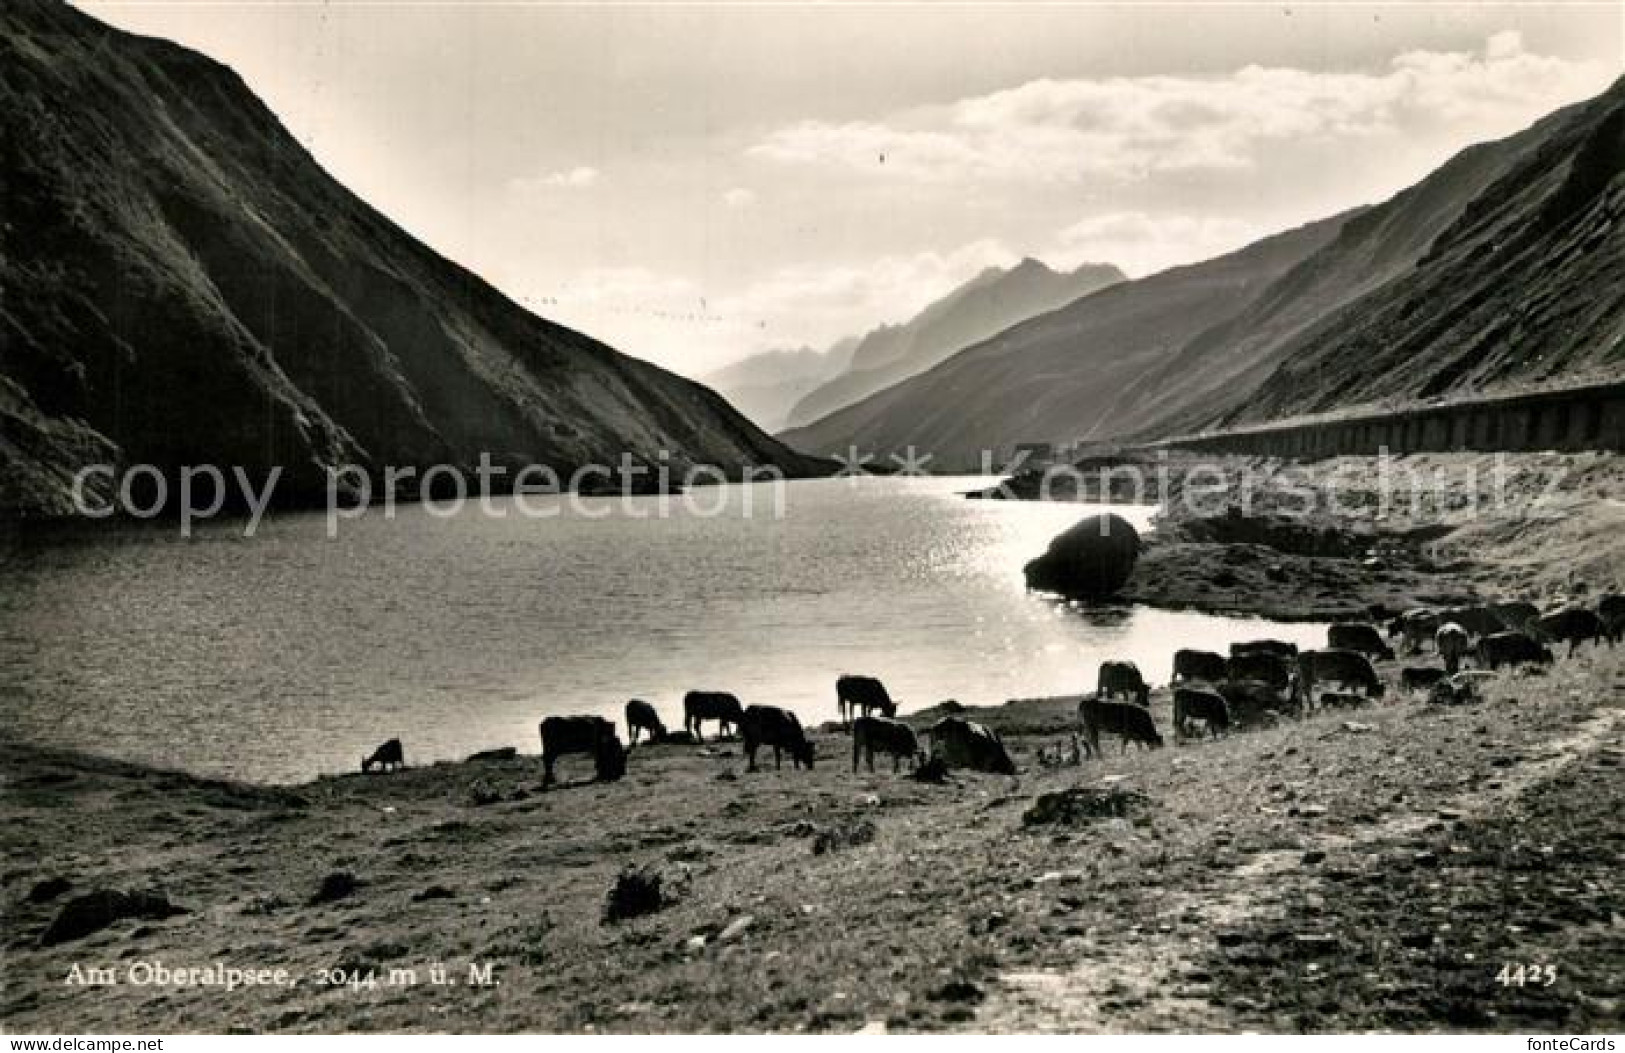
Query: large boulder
(1090, 560)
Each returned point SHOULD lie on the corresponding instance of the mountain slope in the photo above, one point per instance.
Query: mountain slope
(993, 300)
(1524, 286)
(766, 385)
(180, 281)
(1060, 375)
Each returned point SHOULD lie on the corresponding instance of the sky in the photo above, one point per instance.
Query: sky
(692, 183)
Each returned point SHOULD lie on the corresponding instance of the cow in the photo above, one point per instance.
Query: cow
(857, 695)
(959, 743)
(1254, 702)
(562, 736)
(1573, 625)
(1515, 615)
(1611, 609)
(1416, 628)
(1512, 649)
(1344, 668)
(871, 735)
(1275, 647)
(641, 716)
(779, 728)
(389, 755)
(1420, 678)
(1206, 666)
(700, 706)
(1265, 666)
(1452, 643)
(1194, 703)
(1122, 678)
(1478, 620)
(1129, 721)
(1459, 689)
(1359, 637)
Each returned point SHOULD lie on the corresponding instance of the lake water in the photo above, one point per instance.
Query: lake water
(288, 654)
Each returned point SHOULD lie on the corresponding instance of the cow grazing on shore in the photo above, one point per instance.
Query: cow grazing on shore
(779, 728)
(1571, 625)
(1359, 637)
(1262, 666)
(1206, 666)
(389, 755)
(1275, 647)
(594, 736)
(641, 716)
(871, 735)
(1453, 644)
(1122, 679)
(1420, 678)
(1611, 609)
(858, 695)
(1335, 667)
(1416, 629)
(960, 743)
(1511, 649)
(700, 706)
(1127, 720)
(1194, 703)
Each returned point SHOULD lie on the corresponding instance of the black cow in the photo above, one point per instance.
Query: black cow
(857, 695)
(1414, 678)
(1416, 627)
(1478, 620)
(1611, 609)
(1275, 647)
(1452, 643)
(1122, 678)
(1193, 703)
(871, 735)
(389, 755)
(1253, 702)
(779, 728)
(959, 743)
(595, 736)
(1573, 625)
(1264, 666)
(1334, 666)
(641, 716)
(1198, 665)
(1360, 637)
(1129, 721)
(1512, 649)
(700, 706)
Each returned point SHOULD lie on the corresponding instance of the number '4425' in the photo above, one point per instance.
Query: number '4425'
(1532, 975)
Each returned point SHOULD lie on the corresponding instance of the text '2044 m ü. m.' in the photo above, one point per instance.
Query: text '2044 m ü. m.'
(769, 518)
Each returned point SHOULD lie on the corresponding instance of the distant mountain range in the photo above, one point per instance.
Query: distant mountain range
(1504, 267)
(181, 283)
(766, 385)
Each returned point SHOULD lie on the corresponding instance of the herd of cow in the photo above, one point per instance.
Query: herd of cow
(1259, 682)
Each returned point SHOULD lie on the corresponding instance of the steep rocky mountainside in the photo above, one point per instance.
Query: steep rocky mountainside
(181, 283)
(992, 301)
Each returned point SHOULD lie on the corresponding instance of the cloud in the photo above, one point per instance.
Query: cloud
(739, 197)
(1079, 130)
(578, 178)
(1141, 243)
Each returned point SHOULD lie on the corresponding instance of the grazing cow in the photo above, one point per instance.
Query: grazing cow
(1335, 666)
(779, 728)
(1122, 678)
(1420, 678)
(959, 743)
(641, 716)
(389, 755)
(1254, 702)
(1194, 703)
(562, 736)
(1452, 643)
(857, 695)
(1264, 666)
(700, 706)
(1275, 647)
(1515, 615)
(1478, 621)
(1124, 719)
(1574, 625)
(1512, 649)
(1198, 665)
(1359, 637)
(1416, 628)
(871, 735)
(1611, 609)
